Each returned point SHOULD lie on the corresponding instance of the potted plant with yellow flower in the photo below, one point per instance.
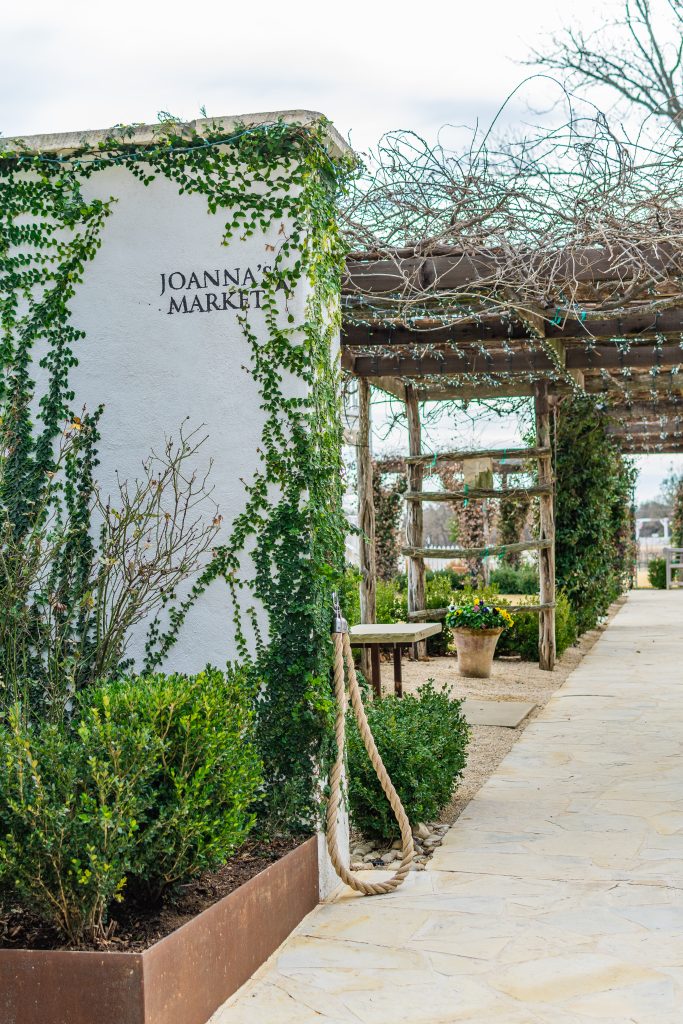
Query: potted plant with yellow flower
(476, 624)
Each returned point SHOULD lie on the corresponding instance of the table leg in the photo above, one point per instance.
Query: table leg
(398, 677)
(376, 674)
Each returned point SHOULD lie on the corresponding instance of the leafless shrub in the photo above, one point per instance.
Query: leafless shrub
(68, 604)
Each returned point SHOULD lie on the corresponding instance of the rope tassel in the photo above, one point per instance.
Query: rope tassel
(342, 657)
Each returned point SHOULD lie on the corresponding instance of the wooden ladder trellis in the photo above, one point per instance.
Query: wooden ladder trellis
(544, 544)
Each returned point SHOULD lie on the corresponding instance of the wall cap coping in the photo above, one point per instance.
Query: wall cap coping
(64, 143)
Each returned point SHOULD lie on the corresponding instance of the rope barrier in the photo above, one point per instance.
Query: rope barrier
(344, 658)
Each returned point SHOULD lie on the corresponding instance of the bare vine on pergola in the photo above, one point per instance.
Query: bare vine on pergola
(573, 219)
(542, 267)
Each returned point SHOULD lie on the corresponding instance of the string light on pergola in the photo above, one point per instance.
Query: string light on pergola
(566, 246)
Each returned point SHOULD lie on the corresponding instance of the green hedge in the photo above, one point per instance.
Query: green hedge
(510, 580)
(522, 638)
(422, 740)
(656, 573)
(153, 781)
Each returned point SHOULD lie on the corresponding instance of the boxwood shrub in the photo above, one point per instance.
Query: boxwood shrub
(423, 740)
(202, 768)
(656, 573)
(70, 804)
(511, 580)
(151, 781)
(522, 638)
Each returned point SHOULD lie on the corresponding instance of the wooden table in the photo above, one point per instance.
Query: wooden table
(395, 634)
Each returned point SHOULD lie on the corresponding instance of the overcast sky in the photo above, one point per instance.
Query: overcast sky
(369, 66)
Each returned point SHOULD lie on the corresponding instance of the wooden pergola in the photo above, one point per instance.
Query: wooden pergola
(441, 325)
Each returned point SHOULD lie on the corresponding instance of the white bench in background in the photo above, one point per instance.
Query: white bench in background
(674, 560)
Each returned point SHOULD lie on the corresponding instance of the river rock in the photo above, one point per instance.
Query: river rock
(360, 849)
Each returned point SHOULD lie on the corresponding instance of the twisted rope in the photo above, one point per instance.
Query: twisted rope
(342, 654)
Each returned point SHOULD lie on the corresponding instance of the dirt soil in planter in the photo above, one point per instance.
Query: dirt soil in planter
(139, 923)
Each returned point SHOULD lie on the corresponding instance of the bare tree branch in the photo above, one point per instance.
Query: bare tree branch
(639, 57)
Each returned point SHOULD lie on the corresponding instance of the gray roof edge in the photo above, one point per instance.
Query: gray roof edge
(64, 143)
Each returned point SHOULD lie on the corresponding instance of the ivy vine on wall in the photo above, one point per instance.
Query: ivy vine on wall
(292, 521)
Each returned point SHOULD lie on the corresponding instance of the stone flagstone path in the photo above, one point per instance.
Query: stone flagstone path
(556, 898)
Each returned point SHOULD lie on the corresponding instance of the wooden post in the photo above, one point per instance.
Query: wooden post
(366, 518)
(546, 556)
(415, 523)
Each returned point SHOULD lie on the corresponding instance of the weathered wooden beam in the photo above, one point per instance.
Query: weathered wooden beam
(650, 427)
(655, 427)
(539, 327)
(452, 269)
(398, 464)
(438, 613)
(403, 362)
(611, 357)
(665, 448)
(646, 443)
(492, 327)
(392, 385)
(484, 552)
(636, 387)
(486, 453)
(414, 497)
(486, 390)
(466, 361)
(546, 560)
(645, 437)
(415, 519)
(646, 411)
(561, 356)
(471, 330)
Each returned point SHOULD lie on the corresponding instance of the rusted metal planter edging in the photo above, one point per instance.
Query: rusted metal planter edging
(184, 977)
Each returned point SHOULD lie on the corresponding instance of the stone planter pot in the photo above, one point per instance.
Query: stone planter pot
(183, 978)
(475, 649)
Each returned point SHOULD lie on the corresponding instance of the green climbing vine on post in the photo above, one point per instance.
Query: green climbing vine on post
(593, 513)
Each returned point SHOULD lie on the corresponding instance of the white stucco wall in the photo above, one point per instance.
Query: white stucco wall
(151, 369)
